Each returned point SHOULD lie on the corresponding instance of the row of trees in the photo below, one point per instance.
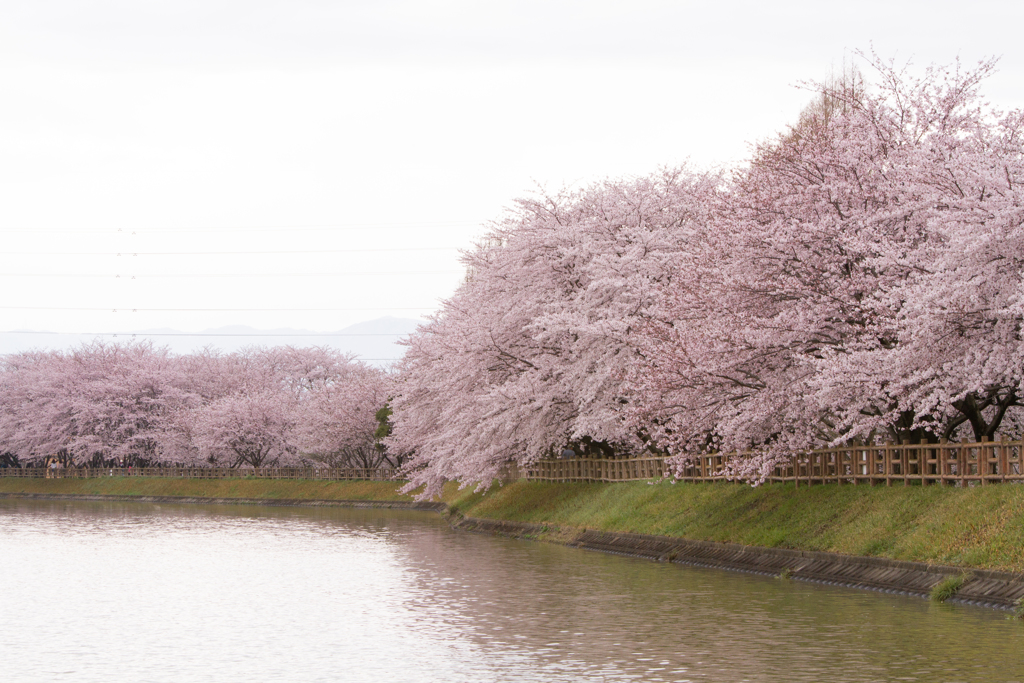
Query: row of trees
(137, 404)
(859, 278)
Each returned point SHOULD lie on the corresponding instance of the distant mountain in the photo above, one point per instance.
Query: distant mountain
(374, 340)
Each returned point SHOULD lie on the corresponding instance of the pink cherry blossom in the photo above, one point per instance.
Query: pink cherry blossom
(529, 354)
(136, 404)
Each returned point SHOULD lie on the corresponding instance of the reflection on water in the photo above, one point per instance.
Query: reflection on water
(135, 592)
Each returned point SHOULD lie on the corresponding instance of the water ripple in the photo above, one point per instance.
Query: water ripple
(135, 592)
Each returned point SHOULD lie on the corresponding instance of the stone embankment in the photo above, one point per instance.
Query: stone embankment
(983, 588)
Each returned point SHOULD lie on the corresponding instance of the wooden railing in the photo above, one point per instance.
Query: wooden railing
(585, 469)
(333, 473)
(962, 464)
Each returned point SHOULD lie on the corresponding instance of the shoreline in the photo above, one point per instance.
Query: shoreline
(205, 500)
(984, 588)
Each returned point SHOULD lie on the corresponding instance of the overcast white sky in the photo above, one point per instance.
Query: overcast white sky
(251, 154)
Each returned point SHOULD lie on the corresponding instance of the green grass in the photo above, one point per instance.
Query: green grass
(979, 527)
(949, 587)
(281, 489)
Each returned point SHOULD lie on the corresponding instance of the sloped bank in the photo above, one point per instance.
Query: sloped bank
(425, 506)
(900, 539)
(999, 590)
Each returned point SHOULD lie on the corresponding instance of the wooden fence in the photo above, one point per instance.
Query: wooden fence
(333, 474)
(586, 469)
(961, 464)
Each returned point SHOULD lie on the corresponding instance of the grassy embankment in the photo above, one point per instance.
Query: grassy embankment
(270, 489)
(981, 527)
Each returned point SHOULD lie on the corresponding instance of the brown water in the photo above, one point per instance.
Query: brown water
(136, 592)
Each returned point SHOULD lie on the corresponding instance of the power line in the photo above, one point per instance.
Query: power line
(213, 310)
(278, 228)
(212, 334)
(238, 228)
(233, 274)
(227, 253)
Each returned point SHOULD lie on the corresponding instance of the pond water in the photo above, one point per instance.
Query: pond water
(139, 592)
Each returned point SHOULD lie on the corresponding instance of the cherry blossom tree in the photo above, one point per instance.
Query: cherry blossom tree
(30, 393)
(256, 429)
(856, 281)
(340, 419)
(290, 406)
(861, 278)
(136, 404)
(954, 357)
(527, 356)
(96, 403)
